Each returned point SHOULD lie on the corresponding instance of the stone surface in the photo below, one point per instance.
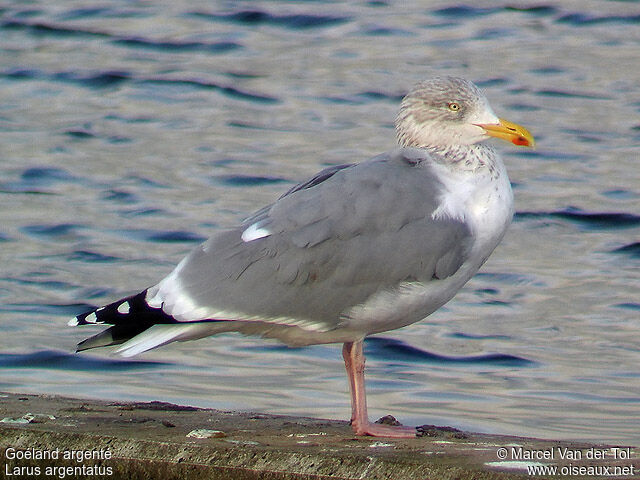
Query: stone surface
(151, 440)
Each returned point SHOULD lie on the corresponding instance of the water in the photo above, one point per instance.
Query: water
(133, 130)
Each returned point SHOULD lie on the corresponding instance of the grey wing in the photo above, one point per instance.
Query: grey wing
(324, 247)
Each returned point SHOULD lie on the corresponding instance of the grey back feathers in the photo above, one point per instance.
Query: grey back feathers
(331, 245)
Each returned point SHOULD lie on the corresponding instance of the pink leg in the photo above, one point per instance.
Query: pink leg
(354, 363)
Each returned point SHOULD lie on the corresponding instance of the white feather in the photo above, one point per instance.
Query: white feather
(161, 334)
(153, 297)
(254, 232)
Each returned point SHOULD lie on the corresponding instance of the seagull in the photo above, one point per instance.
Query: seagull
(356, 250)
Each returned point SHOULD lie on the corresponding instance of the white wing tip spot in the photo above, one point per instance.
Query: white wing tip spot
(153, 299)
(123, 308)
(73, 322)
(254, 232)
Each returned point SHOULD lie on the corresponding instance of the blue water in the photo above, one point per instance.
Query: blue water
(131, 131)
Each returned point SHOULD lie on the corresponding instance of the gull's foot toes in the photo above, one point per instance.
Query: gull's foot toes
(388, 431)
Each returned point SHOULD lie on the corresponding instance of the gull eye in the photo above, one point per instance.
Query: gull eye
(454, 106)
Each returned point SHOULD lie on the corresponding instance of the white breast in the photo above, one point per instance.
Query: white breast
(483, 200)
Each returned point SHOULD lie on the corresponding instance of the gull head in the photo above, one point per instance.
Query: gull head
(450, 111)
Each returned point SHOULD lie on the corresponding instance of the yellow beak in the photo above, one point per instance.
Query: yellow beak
(511, 132)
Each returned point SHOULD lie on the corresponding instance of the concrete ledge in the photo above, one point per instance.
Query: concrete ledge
(92, 439)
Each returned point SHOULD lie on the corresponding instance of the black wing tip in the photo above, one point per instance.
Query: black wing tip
(107, 314)
(87, 318)
(132, 310)
(126, 318)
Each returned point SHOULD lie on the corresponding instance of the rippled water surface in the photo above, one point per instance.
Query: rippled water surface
(131, 131)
